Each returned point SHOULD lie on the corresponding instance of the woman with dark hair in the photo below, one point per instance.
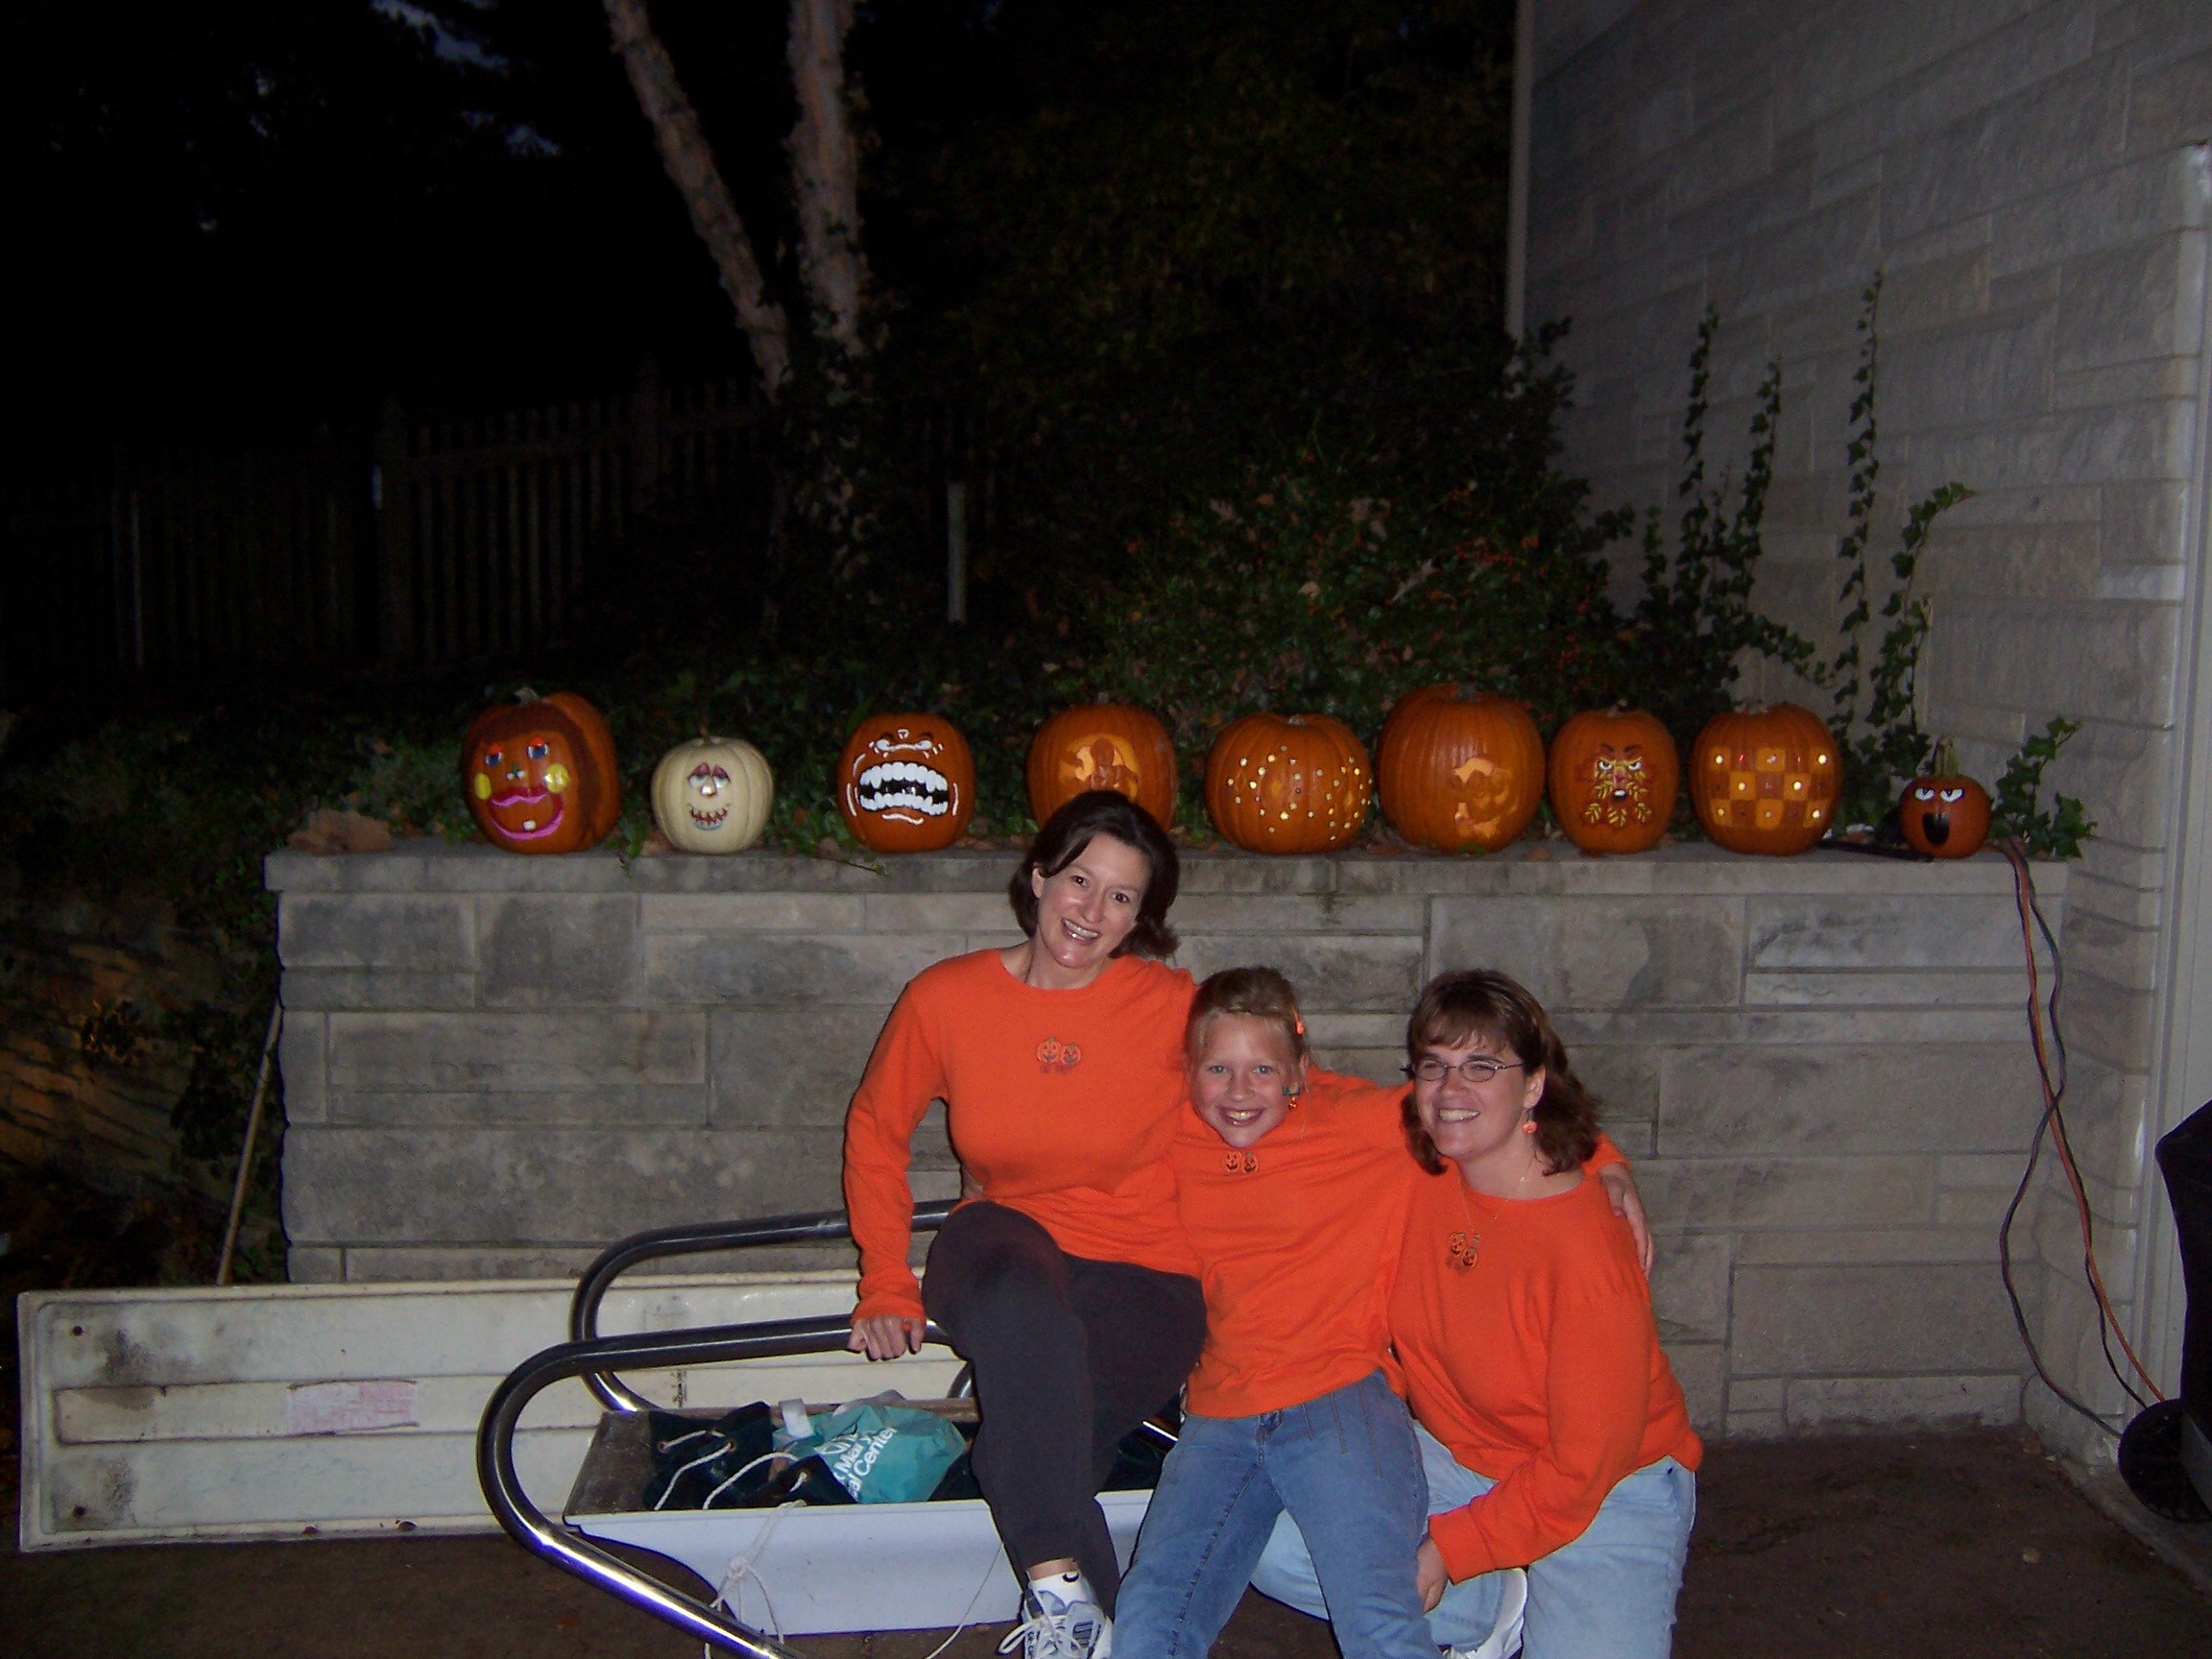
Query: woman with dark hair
(1554, 1435)
(1065, 1280)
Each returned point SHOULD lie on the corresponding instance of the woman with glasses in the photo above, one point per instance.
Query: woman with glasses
(1554, 1435)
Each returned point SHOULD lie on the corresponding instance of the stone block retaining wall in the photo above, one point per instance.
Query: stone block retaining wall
(495, 1064)
(2032, 178)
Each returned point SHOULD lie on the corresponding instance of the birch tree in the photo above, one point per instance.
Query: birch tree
(690, 164)
(826, 173)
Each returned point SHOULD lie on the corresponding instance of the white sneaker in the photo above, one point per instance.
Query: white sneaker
(1504, 1638)
(1065, 1621)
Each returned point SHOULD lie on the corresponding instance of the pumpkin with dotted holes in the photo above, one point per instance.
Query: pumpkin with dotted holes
(1288, 783)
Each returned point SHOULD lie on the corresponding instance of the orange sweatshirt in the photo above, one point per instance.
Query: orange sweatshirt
(1296, 1238)
(1298, 1242)
(1538, 1363)
(1061, 1104)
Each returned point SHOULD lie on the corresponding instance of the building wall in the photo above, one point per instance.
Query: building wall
(494, 1066)
(2031, 182)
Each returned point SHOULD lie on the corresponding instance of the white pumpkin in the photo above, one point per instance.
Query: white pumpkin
(712, 795)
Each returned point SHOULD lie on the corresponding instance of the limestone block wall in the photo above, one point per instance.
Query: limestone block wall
(2031, 178)
(494, 1066)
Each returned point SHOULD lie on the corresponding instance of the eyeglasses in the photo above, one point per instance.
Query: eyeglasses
(1475, 1069)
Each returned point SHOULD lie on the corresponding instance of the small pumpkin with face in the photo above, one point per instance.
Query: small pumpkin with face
(1944, 814)
(1103, 746)
(1288, 783)
(539, 774)
(1614, 777)
(712, 795)
(1765, 779)
(906, 783)
(1460, 769)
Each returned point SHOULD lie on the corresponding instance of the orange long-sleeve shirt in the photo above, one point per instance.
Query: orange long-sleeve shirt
(1061, 1104)
(1538, 1364)
(1298, 1240)
(1297, 1237)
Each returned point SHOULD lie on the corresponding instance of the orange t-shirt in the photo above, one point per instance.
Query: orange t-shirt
(1298, 1240)
(1061, 1104)
(1538, 1364)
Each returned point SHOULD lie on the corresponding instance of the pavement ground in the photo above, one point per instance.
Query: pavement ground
(1969, 1545)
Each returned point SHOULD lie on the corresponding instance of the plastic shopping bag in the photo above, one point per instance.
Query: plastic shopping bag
(879, 1449)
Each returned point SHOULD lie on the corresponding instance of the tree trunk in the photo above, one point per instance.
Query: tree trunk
(825, 173)
(691, 166)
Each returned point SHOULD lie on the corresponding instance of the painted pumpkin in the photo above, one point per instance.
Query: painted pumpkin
(1460, 769)
(1945, 815)
(1103, 746)
(1614, 777)
(1765, 779)
(540, 774)
(1288, 783)
(712, 795)
(906, 783)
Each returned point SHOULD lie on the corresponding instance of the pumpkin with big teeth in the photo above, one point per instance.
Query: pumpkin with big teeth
(540, 774)
(712, 795)
(906, 783)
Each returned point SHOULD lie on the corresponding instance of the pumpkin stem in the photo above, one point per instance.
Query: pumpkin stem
(525, 695)
(1945, 761)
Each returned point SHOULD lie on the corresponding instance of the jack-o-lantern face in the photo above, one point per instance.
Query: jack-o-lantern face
(1103, 746)
(1767, 779)
(521, 781)
(712, 795)
(540, 774)
(1945, 815)
(907, 783)
(1614, 777)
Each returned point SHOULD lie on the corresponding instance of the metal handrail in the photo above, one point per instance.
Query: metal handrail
(697, 1238)
(529, 1527)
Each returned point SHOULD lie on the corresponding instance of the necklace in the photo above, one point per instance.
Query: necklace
(1461, 1247)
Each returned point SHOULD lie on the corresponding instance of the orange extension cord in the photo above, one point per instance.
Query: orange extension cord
(2024, 890)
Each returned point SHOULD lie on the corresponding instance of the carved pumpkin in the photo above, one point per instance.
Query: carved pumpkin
(1614, 776)
(712, 795)
(1296, 783)
(1103, 746)
(906, 783)
(1945, 815)
(1460, 768)
(1764, 779)
(540, 774)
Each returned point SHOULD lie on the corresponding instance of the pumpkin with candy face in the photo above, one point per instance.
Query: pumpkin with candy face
(1765, 779)
(1614, 776)
(540, 774)
(712, 795)
(1944, 814)
(1296, 783)
(1103, 746)
(906, 783)
(1460, 769)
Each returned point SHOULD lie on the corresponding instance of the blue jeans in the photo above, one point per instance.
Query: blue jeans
(1344, 1465)
(1607, 1595)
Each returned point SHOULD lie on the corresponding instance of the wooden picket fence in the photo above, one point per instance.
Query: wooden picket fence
(425, 544)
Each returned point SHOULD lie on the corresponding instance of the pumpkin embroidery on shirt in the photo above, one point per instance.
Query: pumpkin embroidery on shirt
(1054, 1055)
(1236, 1163)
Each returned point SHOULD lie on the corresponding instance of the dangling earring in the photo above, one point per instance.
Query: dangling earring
(1529, 1124)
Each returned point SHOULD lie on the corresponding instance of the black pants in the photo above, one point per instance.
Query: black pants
(1069, 1356)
